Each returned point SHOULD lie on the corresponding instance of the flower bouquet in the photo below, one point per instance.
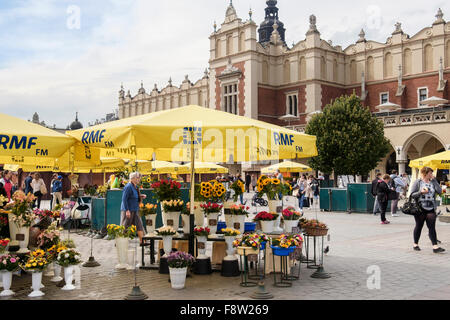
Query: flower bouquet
(267, 220)
(250, 240)
(68, 259)
(149, 212)
(173, 205)
(239, 188)
(166, 231)
(239, 210)
(212, 212)
(166, 190)
(178, 263)
(115, 231)
(4, 243)
(8, 265)
(20, 208)
(167, 234)
(286, 189)
(271, 187)
(201, 232)
(290, 218)
(202, 237)
(212, 191)
(36, 263)
(286, 244)
(229, 232)
(315, 228)
(49, 238)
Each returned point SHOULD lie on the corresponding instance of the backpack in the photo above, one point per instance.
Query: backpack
(392, 183)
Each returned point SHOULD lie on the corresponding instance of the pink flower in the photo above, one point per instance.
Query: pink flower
(13, 260)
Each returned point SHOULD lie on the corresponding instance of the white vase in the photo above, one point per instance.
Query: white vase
(7, 281)
(230, 250)
(199, 216)
(167, 242)
(201, 246)
(13, 230)
(276, 206)
(36, 278)
(229, 220)
(289, 224)
(267, 226)
(177, 277)
(24, 243)
(122, 252)
(49, 271)
(57, 273)
(186, 219)
(150, 223)
(172, 220)
(212, 222)
(68, 277)
(238, 223)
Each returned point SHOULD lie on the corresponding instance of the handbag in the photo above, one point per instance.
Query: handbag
(411, 207)
(43, 189)
(392, 195)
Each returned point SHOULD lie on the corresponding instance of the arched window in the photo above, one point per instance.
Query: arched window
(407, 61)
(302, 69)
(218, 49)
(265, 72)
(242, 41)
(388, 65)
(370, 69)
(335, 70)
(428, 58)
(229, 44)
(352, 71)
(287, 71)
(323, 68)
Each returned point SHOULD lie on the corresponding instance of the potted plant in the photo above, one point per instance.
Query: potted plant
(286, 244)
(148, 211)
(167, 234)
(48, 239)
(290, 218)
(166, 190)
(178, 263)
(248, 244)
(238, 215)
(172, 210)
(199, 217)
(202, 237)
(186, 218)
(21, 218)
(121, 236)
(52, 255)
(230, 234)
(212, 212)
(8, 265)
(267, 220)
(36, 264)
(273, 189)
(68, 259)
(315, 228)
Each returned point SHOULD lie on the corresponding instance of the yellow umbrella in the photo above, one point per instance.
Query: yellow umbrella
(286, 166)
(436, 161)
(23, 142)
(205, 167)
(79, 167)
(201, 134)
(158, 167)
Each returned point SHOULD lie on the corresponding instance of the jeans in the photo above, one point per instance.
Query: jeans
(376, 206)
(241, 198)
(300, 201)
(394, 204)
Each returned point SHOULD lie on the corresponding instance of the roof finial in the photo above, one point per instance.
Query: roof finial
(76, 116)
(250, 13)
(215, 26)
(439, 17)
(362, 36)
(398, 28)
(170, 81)
(312, 25)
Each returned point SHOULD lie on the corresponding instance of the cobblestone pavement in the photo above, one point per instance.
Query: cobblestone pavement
(358, 244)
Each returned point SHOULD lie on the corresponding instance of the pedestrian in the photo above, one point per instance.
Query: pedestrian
(301, 186)
(130, 205)
(27, 184)
(407, 182)
(7, 184)
(398, 185)
(54, 178)
(425, 191)
(254, 181)
(241, 196)
(248, 181)
(376, 204)
(382, 196)
(15, 182)
(57, 191)
(39, 189)
(309, 193)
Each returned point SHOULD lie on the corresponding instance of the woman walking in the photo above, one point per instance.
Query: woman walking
(301, 186)
(424, 191)
(39, 189)
(382, 196)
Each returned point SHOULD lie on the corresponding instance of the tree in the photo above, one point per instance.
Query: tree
(350, 140)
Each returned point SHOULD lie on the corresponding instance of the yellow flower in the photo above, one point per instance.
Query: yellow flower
(34, 264)
(276, 181)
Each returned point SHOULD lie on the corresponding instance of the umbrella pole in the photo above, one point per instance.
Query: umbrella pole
(191, 235)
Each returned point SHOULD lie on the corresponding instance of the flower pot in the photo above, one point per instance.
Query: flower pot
(201, 246)
(230, 250)
(49, 272)
(177, 277)
(167, 242)
(36, 285)
(238, 223)
(246, 251)
(14, 231)
(229, 220)
(284, 252)
(122, 252)
(274, 206)
(199, 217)
(57, 273)
(172, 220)
(150, 220)
(267, 226)
(186, 219)
(289, 224)
(68, 277)
(7, 281)
(212, 222)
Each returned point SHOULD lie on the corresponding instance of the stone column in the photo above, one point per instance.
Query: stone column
(401, 167)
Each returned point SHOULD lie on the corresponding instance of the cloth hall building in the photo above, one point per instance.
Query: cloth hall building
(254, 73)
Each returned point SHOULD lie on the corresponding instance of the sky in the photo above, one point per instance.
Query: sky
(58, 57)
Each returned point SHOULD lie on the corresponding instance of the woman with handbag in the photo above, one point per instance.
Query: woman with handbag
(301, 186)
(424, 191)
(39, 189)
(382, 189)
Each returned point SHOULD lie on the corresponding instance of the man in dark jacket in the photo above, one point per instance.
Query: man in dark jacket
(248, 181)
(27, 183)
(376, 205)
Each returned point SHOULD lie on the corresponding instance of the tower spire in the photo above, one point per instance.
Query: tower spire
(271, 18)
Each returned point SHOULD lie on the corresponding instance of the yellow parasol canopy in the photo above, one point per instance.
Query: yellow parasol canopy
(158, 167)
(205, 167)
(436, 161)
(286, 166)
(105, 165)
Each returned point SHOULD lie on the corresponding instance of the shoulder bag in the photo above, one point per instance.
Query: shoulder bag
(43, 189)
(411, 207)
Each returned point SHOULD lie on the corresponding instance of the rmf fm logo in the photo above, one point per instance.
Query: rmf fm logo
(187, 135)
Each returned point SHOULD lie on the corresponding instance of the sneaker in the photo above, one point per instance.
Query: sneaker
(417, 248)
(438, 250)
(395, 215)
(385, 222)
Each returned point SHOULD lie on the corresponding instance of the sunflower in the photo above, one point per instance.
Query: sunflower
(266, 182)
(276, 181)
